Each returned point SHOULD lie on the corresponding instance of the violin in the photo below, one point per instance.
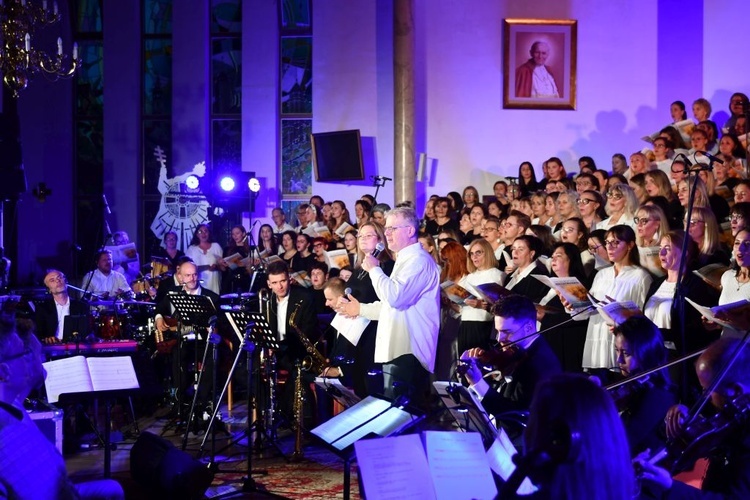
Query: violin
(503, 358)
(623, 394)
(702, 435)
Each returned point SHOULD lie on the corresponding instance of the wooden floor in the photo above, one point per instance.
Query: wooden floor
(318, 475)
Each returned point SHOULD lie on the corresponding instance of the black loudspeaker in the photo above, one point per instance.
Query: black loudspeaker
(165, 471)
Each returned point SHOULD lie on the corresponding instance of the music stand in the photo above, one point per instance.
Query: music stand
(253, 331)
(466, 410)
(193, 310)
(374, 416)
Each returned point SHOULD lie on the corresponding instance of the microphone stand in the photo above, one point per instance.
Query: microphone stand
(678, 301)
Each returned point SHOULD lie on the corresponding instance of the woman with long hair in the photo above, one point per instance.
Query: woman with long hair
(267, 241)
(476, 323)
(238, 279)
(477, 215)
(305, 257)
(206, 255)
(470, 198)
(289, 247)
(538, 200)
(170, 250)
(454, 258)
(704, 231)
(491, 231)
(339, 216)
(718, 203)
(572, 403)
(658, 184)
(639, 346)
(362, 211)
(567, 207)
(677, 111)
(429, 246)
(651, 224)
(550, 210)
(567, 338)
(624, 280)
(527, 183)
(735, 282)
(621, 207)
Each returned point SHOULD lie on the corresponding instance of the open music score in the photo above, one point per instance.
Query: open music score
(80, 374)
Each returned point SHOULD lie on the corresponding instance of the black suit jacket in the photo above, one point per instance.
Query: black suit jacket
(46, 315)
(530, 286)
(540, 363)
(306, 320)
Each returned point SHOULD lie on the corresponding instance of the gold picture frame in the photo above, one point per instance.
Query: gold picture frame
(539, 63)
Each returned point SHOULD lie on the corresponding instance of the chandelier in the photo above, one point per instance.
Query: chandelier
(19, 60)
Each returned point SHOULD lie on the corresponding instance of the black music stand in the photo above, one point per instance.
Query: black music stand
(253, 331)
(466, 411)
(194, 310)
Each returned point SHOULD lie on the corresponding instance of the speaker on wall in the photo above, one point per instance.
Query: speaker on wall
(337, 156)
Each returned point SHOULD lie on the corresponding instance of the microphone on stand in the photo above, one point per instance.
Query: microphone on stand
(106, 205)
(378, 248)
(711, 157)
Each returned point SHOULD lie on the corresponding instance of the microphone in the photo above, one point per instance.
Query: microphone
(685, 161)
(106, 205)
(375, 253)
(347, 292)
(381, 178)
(711, 157)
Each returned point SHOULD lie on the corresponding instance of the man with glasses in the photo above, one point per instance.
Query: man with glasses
(408, 312)
(30, 465)
(280, 225)
(532, 362)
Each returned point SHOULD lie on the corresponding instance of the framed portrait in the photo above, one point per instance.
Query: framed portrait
(539, 64)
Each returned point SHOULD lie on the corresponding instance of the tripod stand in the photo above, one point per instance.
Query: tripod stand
(257, 333)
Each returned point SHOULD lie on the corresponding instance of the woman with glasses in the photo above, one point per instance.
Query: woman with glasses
(567, 339)
(470, 198)
(476, 322)
(491, 231)
(206, 255)
(574, 231)
(704, 231)
(650, 223)
(624, 280)
(525, 253)
(621, 206)
(739, 217)
(368, 237)
(591, 206)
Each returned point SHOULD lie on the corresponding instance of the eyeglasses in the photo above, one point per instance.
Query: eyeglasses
(585, 201)
(21, 354)
(366, 236)
(595, 248)
(612, 243)
(695, 221)
(490, 228)
(642, 221)
(318, 245)
(476, 253)
(614, 196)
(736, 218)
(390, 229)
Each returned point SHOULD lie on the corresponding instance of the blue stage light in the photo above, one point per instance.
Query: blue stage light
(227, 184)
(192, 182)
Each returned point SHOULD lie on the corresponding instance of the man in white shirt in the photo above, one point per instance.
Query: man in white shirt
(280, 224)
(103, 281)
(408, 312)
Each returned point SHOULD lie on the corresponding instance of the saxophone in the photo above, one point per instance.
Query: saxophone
(314, 361)
(299, 415)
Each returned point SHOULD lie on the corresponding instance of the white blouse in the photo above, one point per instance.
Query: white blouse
(659, 306)
(492, 275)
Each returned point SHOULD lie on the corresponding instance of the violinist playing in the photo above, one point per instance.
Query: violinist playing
(724, 439)
(523, 358)
(642, 402)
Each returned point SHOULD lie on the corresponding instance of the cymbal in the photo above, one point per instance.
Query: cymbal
(230, 296)
(162, 260)
(114, 302)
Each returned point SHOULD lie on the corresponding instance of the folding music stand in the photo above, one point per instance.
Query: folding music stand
(253, 331)
(193, 310)
(466, 410)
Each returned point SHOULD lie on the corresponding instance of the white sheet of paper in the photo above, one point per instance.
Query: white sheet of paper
(394, 468)
(67, 375)
(459, 466)
(500, 457)
(112, 373)
(350, 328)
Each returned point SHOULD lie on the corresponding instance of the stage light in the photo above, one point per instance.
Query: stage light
(254, 185)
(192, 182)
(227, 184)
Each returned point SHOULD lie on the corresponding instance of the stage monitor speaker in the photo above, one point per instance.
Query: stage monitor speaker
(165, 471)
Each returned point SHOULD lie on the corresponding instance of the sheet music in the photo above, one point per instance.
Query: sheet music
(394, 468)
(67, 375)
(112, 373)
(458, 465)
(350, 328)
(500, 457)
(347, 396)
(390, 421)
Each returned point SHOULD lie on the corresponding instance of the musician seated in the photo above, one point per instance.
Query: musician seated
(50, 314)
(724, 439)
(642, 402)
(342, 349)
(524, 358)
(104, 281)
(171, 284)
